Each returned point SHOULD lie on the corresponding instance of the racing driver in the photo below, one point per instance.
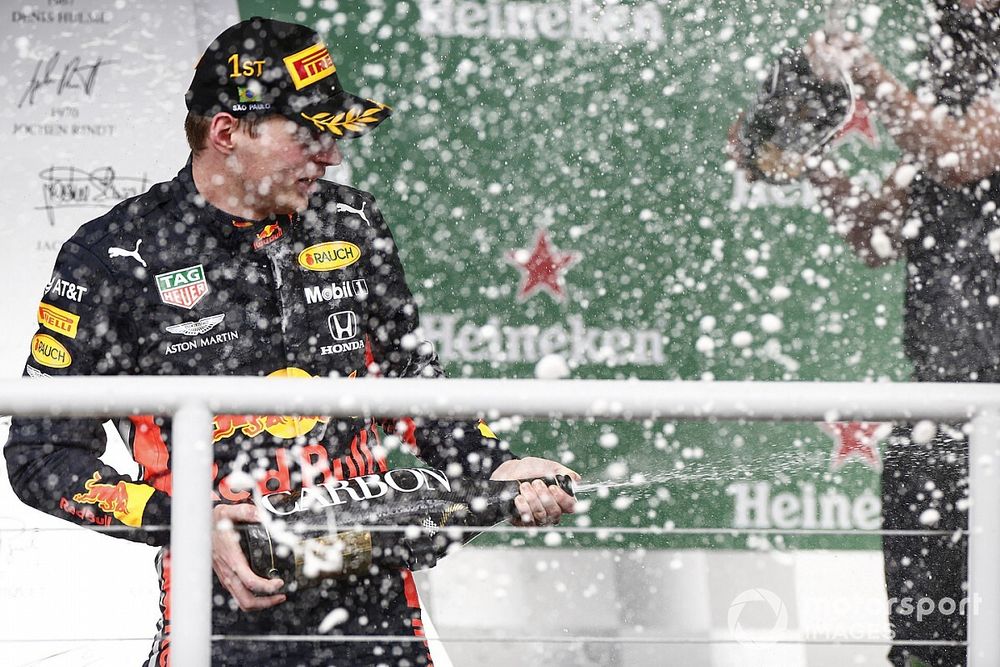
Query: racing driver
(247, 263)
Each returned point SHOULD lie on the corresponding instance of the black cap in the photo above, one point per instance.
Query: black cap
(263, 67)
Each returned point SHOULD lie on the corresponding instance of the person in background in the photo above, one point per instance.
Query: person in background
(937, 211)
(248, 263)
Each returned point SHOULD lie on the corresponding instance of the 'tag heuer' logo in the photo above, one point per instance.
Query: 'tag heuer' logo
(58, 320)
(329, 256)
(184, 287)
(47, 351)
(310, 65)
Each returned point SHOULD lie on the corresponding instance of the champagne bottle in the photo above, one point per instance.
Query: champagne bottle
(327, 530)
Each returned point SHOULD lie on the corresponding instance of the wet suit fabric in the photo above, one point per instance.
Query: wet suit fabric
(165, 284)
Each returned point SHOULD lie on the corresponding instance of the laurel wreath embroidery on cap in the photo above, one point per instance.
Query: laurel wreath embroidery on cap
(352, 121)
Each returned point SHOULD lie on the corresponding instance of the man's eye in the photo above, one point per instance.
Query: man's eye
(311, 139)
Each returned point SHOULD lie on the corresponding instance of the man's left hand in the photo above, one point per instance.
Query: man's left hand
(538, 504)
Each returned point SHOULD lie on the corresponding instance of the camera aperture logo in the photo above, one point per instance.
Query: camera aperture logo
(755, 615)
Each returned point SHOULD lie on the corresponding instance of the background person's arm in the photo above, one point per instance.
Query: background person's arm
(952, 150)
(870, 223)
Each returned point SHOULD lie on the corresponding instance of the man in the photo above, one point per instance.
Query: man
(247, 263)
(938, 210)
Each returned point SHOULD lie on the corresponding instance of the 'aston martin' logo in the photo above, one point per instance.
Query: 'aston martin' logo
(203, 325)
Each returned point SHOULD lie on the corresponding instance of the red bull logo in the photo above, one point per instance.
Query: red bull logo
(284, 427)
(110, 498)
(269, 234)
(124, 500)
(280, 426)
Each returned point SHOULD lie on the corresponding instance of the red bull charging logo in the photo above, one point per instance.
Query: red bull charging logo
(110, 498)
(269, 234)
(225, 426)
(280, 426)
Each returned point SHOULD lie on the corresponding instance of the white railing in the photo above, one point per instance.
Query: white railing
(192, 402)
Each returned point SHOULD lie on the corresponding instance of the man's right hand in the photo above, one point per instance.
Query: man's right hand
(231, 567)
(829, 55)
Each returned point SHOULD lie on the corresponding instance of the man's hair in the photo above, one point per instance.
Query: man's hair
(196, 129)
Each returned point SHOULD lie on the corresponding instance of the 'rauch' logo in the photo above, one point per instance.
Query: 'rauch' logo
(47, 351)
(183, 287)
(329, 256)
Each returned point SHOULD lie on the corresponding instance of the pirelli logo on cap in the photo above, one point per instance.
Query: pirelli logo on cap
(310, 65)
(58, 320)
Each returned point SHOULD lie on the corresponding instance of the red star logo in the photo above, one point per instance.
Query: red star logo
(542, 268)
(861, 123)
(856, 440)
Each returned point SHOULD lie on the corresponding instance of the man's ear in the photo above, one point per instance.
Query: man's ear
(221, 131)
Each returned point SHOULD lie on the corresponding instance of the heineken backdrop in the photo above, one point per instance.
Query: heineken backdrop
(555, 176)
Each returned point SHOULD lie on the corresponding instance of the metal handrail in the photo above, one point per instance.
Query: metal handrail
(598, 399)
(193, 400)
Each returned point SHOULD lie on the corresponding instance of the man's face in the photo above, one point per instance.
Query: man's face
(279, 167)
(981, 4)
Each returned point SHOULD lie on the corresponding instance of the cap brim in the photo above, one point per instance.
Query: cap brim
(344, 115)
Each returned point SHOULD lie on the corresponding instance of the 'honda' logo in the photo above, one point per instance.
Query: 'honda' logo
(343, 325)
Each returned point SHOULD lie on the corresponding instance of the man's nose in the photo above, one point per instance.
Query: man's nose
(327, 153)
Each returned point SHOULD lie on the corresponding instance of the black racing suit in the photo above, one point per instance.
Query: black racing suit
(165, 284)
(952, 334)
